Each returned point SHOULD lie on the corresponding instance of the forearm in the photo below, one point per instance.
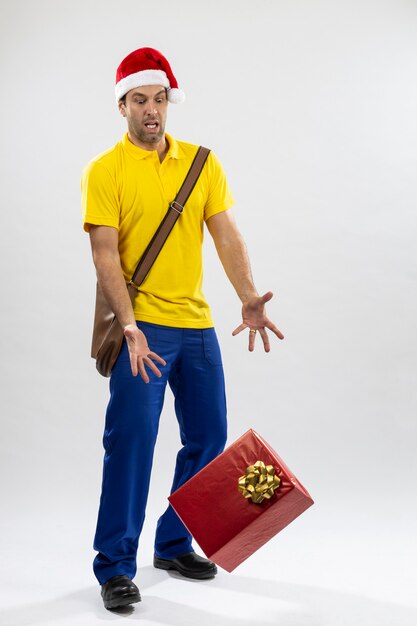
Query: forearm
(234, 257)
(235, 260)
(113, 285)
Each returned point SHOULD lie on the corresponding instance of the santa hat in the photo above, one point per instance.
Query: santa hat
(147, 66)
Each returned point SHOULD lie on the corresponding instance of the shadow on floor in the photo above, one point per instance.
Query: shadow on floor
(276, 603)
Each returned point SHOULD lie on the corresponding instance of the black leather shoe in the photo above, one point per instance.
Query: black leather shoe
(189, 565)
(119, 591)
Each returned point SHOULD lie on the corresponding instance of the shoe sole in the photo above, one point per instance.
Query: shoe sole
(167, 565)
(125, 600)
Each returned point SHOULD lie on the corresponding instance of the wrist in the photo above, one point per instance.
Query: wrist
(248, 295)
(129, 325)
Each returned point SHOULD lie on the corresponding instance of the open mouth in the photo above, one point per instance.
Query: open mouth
(152, 124)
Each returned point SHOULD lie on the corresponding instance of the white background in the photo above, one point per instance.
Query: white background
(311, 107)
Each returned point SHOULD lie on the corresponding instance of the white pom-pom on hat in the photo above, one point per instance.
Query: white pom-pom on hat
(176, 96)
(147, 66)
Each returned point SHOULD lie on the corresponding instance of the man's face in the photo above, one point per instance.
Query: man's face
(145, 110)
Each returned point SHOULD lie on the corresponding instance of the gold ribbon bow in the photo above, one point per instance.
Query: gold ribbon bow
(259, 482)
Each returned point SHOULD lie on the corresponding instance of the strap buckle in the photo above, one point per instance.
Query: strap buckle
(133, 285)
(178, 207)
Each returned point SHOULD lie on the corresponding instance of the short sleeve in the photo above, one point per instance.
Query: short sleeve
(100, 202)
(219, 195)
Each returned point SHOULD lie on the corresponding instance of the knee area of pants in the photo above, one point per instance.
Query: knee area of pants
(131, 435)
(211, 446)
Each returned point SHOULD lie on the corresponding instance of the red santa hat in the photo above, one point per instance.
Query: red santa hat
(147, 66)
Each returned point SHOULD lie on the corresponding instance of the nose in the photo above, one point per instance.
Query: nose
(151, 108)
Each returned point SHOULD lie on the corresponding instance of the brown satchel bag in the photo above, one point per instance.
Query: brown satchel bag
(107, 332)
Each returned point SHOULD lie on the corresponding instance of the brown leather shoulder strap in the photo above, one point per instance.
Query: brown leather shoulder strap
(192, 176)
(174, 211)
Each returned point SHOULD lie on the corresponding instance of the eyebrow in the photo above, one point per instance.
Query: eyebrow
(143, 95)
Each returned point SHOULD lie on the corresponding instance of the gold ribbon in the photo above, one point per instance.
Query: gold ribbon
(259, 482)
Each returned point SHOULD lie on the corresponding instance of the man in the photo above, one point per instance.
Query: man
(169, 333)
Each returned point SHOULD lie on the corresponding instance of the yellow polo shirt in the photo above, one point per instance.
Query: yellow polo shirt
(129, 189)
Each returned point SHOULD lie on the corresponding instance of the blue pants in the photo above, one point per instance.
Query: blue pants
(195, 374)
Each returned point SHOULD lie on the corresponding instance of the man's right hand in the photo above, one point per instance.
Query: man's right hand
(140, 353)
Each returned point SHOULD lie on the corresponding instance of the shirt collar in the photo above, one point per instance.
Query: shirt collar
(174, 151)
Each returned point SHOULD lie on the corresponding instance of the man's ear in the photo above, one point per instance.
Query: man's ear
(122, 108)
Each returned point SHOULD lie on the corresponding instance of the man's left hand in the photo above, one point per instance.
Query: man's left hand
(254, 317)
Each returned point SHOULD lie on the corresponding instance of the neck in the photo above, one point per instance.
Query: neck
(160, 146)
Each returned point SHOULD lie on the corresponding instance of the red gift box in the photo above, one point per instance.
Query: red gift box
(228, 526)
